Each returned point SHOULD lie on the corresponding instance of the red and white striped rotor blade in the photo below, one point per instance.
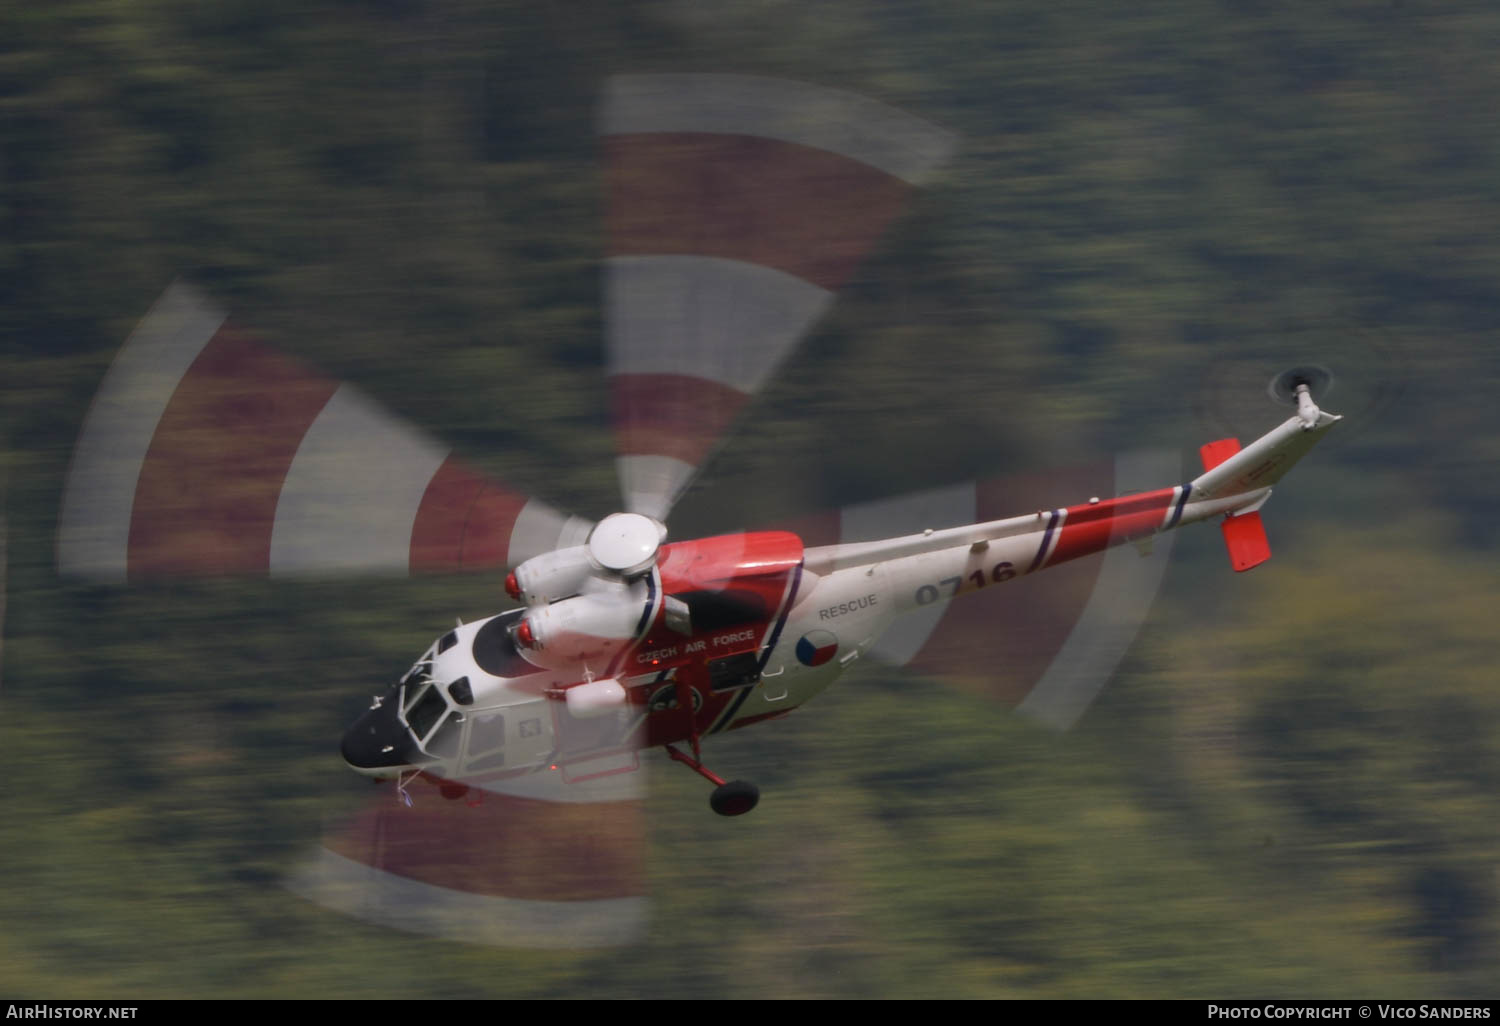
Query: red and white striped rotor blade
(1044, 643)
(533, 862)
(736, 206)
(206, 452)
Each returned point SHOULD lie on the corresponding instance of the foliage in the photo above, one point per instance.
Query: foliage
(1289, 790)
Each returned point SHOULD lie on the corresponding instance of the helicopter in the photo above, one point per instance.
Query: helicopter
(627, 642)
(738, 206)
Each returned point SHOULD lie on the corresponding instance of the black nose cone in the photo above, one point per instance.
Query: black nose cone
(378, 740)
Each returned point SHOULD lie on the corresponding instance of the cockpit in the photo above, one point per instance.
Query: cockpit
(428, 716)
(433, 714)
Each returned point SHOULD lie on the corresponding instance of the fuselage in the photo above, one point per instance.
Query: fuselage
(769, 626)
(481, 704)
(628, 644)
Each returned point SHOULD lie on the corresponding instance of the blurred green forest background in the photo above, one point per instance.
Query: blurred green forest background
(1289, 789)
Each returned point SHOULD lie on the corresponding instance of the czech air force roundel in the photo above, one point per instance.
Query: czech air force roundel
(816, 647)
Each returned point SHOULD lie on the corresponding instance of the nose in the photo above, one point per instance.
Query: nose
(379, 741)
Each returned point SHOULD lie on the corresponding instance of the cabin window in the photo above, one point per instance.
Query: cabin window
(486, 741)
(732, 607)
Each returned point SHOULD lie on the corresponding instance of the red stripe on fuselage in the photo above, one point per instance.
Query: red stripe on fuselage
(798, 209)
(1093, 527)
(999, 640)
(732, 560)
(753, 573)
(205, 501)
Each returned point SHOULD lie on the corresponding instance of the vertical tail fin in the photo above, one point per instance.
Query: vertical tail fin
(1245, 534)
(1245, 538)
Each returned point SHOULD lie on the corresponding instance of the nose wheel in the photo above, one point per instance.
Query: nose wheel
(731, 797)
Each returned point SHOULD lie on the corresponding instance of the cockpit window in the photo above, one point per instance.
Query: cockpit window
(414, 689)
(424, 714)
(447, 641)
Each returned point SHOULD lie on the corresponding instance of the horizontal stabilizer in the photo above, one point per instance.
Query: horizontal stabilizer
(1245, 537)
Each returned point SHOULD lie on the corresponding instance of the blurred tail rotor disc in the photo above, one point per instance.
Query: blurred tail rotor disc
(1283, 387)
(1356, 371)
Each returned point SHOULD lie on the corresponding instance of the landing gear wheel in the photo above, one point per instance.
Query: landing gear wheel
(452, 791)
(734, 798)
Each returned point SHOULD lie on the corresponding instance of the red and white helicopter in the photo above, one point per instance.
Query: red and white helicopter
(737, 206)
(627, 642)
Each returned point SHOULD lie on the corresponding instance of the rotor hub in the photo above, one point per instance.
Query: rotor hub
(1283, 387)
(625, 543)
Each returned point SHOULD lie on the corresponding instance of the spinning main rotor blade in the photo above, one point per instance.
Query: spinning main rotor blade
(205, 452)
(1047, 644)
(534, 862)
(737, 205)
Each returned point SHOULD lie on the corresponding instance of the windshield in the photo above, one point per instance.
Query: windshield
(423, 714)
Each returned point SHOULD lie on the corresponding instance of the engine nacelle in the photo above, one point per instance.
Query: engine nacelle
(550, 576)
(589, 628)
(596, 698)
(622, 546)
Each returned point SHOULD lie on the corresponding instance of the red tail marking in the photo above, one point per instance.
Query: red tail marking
(1245, 537)
(1215, 453)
